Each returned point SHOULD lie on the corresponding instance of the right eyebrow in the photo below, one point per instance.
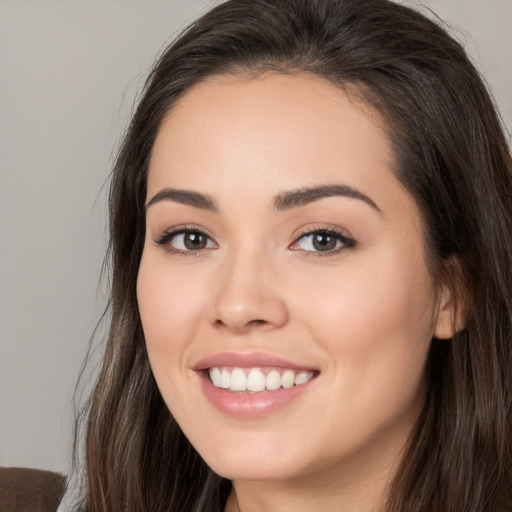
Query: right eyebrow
(188, 197)
(303, 196)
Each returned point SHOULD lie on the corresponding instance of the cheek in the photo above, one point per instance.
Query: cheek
(169, 300)
(375, 320)
(167, 306)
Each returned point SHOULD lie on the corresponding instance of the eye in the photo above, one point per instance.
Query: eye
(327, 241)
(185, 241)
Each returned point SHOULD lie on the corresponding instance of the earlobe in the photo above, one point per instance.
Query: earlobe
(446, 322)
(451, 316)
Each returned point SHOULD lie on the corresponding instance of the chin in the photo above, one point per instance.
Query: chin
(256, 461)
(254, 469)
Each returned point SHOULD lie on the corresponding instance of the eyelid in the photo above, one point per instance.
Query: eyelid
(163, 240)
(342, 235)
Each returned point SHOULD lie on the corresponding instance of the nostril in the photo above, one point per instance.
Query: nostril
(251, 324)
(257, 322)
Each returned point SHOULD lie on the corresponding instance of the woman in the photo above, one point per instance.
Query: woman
(310, 246)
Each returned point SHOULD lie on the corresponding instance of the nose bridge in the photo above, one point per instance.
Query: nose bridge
(247, 295)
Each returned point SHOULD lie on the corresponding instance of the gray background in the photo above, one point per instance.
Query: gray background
(69, 73)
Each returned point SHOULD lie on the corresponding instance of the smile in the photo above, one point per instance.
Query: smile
(256, 380)
(253, 385)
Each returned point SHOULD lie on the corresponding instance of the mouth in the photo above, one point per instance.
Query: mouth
(253, 385)
(256, 380)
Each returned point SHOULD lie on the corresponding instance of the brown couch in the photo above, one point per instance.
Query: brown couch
(30, 490)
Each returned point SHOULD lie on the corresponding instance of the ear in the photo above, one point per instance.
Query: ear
(451, 315)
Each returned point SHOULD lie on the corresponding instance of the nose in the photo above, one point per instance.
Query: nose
(248, 297)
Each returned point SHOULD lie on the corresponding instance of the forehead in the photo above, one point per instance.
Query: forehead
(283, 122)
(254, 136)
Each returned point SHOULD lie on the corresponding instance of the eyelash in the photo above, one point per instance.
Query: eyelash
(346, 242)
(164, 240)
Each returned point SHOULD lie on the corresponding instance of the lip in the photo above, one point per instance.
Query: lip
(249, 360)
(246, 405)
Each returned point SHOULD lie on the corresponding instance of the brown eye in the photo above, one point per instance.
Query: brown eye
(324, 241)
(194, 240)
(185, 241)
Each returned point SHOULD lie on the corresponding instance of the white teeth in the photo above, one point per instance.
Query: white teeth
(303, 377)
(215, 375)
(225, 379)
(238, 380)
(254, 380)
(288, 379)
(273, 380)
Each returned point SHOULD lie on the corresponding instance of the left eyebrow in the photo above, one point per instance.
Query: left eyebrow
(303, 196)
(187, 197)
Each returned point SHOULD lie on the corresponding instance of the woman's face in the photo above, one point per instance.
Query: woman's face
(282, 254)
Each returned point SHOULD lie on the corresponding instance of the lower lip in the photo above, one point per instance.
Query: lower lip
(250, 405)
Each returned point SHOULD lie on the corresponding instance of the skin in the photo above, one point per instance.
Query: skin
(363, 316)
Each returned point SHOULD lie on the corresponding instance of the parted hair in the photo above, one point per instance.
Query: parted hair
(451, 154)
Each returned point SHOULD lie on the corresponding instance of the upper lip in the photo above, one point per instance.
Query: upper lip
(248, 360)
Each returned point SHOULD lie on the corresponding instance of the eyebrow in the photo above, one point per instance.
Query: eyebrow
(305, 196)
(284, 201)
(187, 197)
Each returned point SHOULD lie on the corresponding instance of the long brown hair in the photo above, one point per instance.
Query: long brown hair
(453, 158)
